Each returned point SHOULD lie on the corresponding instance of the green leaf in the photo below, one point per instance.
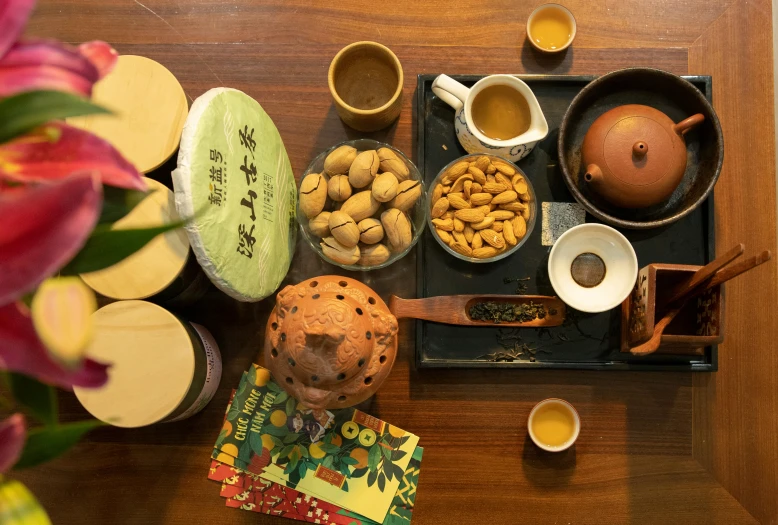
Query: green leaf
(25, 111)
(40, 400)
(232, 414)
(387, 452)
(398, 454)
(273, 387)
(344, 469)
(327, 461)
(403, 440)
(303, 452)
(290, 406)
(344, 488)
(371, 478)
(348, 460)
(358, 473)
(118, 202)
(244, 453)
(106, 247)
(46, 443)
(294, 457)
(280, 398)
(255, 440)
(373, 457)
(302, 469)
(289, 468)
(277, 442)
(329, 449)
(251, 375)
(275, 431)
(389, 471)
(291, 438)
(399, 473)
(381, 482)
(286, 451)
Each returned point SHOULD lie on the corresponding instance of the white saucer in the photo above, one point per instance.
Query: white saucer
(616, 252)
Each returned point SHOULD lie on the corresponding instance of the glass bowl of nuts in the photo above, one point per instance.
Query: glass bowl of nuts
(482, 208)
(361, 205)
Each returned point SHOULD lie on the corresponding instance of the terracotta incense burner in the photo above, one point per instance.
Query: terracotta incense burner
(330, 341)
(635, 155)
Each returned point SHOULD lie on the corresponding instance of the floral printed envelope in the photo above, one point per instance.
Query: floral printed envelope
(343, 456)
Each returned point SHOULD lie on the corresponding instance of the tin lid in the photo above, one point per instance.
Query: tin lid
(148, 107)
(234, 178)
(152, 364)
(155, 266)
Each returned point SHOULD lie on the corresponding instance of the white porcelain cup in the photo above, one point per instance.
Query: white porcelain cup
(461, 99)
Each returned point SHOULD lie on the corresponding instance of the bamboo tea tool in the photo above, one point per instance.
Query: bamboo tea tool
(703, 274)
(720, 277)
(455, 309)
(148, 107)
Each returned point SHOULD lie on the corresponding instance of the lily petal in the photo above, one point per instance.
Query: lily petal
(55, 150)
(22, 351)
(13, 18)
(46, 64)
(11, 441)
(100, 54)
(43, 227)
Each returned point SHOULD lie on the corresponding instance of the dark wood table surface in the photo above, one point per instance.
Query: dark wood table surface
(655, 447)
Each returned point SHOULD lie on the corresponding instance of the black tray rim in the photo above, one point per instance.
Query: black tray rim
(711, 354)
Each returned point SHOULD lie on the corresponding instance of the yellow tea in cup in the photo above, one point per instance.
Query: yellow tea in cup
(551, 28)
(553, 425)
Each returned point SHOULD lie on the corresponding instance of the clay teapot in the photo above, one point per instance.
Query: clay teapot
(635, 155)
(330, 342)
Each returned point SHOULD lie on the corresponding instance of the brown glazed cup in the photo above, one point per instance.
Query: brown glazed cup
(366, 82)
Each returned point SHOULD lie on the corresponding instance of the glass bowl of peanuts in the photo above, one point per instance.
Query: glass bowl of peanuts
(482, 208)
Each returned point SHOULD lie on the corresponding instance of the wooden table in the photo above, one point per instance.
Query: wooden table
(655, 447)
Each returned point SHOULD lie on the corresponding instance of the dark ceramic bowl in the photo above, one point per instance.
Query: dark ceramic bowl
(668, 93)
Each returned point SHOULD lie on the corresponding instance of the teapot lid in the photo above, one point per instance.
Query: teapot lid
(638, 144)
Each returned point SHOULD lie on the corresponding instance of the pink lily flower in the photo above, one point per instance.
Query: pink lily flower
(22, 351)
(44, 226)
(27, 64)
(12, 437)
(55, 150)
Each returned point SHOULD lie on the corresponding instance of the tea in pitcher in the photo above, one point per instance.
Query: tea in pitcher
(500, 112)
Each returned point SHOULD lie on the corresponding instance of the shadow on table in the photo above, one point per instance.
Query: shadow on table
(547, 469)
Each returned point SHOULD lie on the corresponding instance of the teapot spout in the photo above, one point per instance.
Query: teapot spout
(593, 175)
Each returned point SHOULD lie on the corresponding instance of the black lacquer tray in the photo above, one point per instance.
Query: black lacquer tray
(586, 341)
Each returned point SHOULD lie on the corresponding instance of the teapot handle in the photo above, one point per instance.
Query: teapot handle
(686, 124)
(450, 91)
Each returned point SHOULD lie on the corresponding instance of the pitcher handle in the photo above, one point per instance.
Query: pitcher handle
(450, 91)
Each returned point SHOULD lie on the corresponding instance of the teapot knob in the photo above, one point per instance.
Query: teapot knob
(639, 149)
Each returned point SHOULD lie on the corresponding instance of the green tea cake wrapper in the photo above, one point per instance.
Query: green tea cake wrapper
(235, 180)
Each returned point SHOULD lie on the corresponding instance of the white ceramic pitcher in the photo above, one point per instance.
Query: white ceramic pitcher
(461, 99)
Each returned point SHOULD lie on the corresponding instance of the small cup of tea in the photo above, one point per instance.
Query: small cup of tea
(554, 425)
(366, 83)
(551, 28)
(499, 115)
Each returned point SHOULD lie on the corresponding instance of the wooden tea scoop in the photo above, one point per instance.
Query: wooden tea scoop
(722, 276)
(703, 274)
(455, 309)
